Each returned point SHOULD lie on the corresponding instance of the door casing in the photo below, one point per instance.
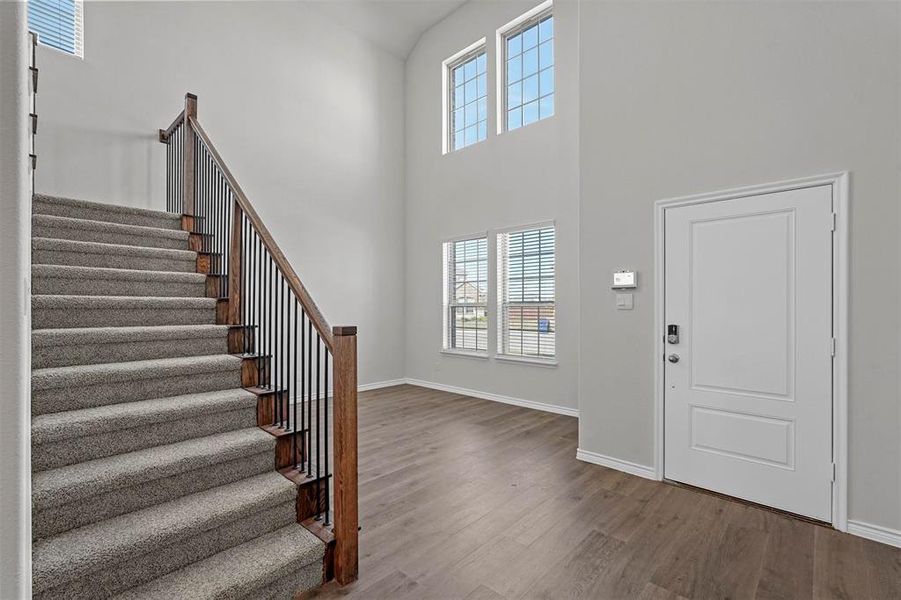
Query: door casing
(840, 269)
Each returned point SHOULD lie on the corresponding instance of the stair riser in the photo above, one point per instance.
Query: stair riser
(125, 500)
(117, 287)
(118, 576)
(72, 451)
(76, 397)
(87, 234)
(47, 318)
(93, 354)
(57, 209)
(288, 586)
(112, 261)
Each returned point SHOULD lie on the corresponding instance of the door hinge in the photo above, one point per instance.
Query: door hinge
(832, 346)
(833, 472)
(834, 224)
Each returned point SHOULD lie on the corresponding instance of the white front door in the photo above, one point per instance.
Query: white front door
(748, 386)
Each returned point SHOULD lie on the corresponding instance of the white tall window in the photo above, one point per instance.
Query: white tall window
(468, 99)
(466, 295)
(528, 62)
(58, 23)
(527, 317)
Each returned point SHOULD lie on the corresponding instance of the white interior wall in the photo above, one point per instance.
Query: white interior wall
(15, 317)
(682, 98)
(308, 116)
(524, 176)
(675, 99)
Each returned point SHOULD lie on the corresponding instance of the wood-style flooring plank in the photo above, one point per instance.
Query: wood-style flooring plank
(466, 499)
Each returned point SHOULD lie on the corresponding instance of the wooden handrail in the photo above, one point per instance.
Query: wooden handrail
(164, 135)
(291, 277)
(340, 342)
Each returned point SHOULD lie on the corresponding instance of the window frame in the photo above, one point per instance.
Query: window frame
(511, 29)
(449, 305)
(78, 32)
(447, 105)
(501, 267)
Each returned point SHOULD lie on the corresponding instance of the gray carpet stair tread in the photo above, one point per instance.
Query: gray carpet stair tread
(129, 303)
(129, 415)
(42, 243)
(75, 553)
(104, 373)
(105, 273)
(57, 222)
(63, 485)
(118, 335)
(45, 204)
(237, 572)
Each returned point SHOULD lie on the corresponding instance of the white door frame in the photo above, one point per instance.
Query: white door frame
(839, 183)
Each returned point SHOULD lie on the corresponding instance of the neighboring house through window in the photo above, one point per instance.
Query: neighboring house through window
(466, 295)
(527, 316)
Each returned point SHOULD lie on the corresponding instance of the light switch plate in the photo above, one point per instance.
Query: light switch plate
(624, 302)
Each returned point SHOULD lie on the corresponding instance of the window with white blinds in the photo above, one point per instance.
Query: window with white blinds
(527, 316)
(466, 295)
(59, 24)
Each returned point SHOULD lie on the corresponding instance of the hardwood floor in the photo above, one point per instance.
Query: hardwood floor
(471, 499)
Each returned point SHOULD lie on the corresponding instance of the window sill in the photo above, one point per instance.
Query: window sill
(538, 362)
(465, 354)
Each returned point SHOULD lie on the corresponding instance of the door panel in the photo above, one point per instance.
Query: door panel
(748, 405)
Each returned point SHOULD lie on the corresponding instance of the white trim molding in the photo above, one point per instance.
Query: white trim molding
(877, 533)
(376, 385)
(615, 463)
(839, 183)
(551, 408)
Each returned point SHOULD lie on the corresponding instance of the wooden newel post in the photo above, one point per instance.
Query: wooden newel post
(234, 267)
(345, 432)
(189, 164)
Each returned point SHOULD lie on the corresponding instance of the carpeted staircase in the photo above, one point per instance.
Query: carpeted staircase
(151, 478)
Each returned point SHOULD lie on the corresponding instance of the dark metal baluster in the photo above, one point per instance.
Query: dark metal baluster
(296, 428)
(310, 423)
(270, 335)
(168, 176)
(279, 325)
(303, 379)
(245, 280)
(318, 437)
(259, 303)
(325, 435)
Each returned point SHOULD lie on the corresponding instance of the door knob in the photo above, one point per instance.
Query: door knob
(673, 358)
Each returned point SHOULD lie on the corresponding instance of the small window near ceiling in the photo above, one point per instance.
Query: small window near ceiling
(467, 117)
(58, 24)
(528, 51)
(466, 295)
(527, 312)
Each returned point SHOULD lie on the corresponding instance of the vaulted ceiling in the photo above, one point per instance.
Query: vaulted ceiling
(394, 25)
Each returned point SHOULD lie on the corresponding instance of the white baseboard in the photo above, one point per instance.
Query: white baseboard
(877, 533)
(375, 385)
(616, 463)
(551, 408)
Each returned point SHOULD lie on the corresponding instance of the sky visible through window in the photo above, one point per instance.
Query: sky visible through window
(530, 74)
(469, 111)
